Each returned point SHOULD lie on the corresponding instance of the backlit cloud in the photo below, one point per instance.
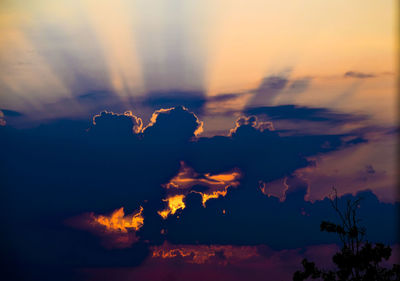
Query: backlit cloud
(117, 221)
(174, 203)
(108, 120)
(176, 122)
(252, 122)
(191, 140)
(208, 186)
(117, 230)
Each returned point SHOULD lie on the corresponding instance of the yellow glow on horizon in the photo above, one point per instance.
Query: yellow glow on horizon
(200, 254)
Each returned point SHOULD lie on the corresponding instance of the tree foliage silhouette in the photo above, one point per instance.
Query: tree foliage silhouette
(358, 259)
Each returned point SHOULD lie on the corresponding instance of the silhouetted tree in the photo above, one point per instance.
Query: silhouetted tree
(358, 259)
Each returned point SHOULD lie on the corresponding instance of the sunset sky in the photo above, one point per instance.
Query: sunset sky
(175, 140)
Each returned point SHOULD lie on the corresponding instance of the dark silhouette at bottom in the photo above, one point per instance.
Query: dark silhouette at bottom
(358, 259)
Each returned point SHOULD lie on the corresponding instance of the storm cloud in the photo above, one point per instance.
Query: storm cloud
(46, 168)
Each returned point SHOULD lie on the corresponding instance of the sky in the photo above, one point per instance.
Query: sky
(174, 140)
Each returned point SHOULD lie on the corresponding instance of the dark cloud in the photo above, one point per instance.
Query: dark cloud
(116, 126)
(97, 98)
(267, 220)
(304, 113)
(300, 85)
(272, 83)
(296, 189)
(217, 262)
(93, 95)
(8, 113)
(360, 75)
(61, 170)
(11, 113)
(172, 126)
(251, 121)
(269, 88)
(223, 97)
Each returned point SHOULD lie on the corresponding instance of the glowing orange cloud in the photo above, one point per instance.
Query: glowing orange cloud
(117, 221)
(213, 195)
(117, 230)
(187, 178)
(174, 203)
(181, 185)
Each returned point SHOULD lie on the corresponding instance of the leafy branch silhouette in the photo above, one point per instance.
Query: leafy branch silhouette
(358, 259)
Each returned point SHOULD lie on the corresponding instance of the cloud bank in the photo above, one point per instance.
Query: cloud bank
(116, 160)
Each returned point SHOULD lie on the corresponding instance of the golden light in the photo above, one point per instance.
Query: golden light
(182, 184)
(117, 221)
(174, 203)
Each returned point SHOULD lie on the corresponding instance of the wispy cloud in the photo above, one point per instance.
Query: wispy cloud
(360, 75)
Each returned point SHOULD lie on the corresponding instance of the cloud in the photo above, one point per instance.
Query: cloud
(296, 188)
(223, 97)
(44, 169)
(300, 85)
(120, 125)
(174, 203)
(360, 75)
(294, 119)
(251, 121)
(10, 113)
(266, 93)
(175, 124)
(268, 90)
(219, 262)
(348, 168)
(209, 186)
(200, 254)
(116, 230)
(304, 113)
(298, 119)
(251, 218)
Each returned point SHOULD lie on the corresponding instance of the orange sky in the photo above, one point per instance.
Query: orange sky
(135, 47)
